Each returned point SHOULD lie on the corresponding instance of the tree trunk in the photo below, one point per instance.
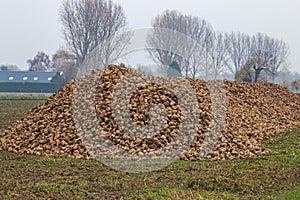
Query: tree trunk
(257, 72)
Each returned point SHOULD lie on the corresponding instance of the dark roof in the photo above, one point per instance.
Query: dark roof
(26, 76)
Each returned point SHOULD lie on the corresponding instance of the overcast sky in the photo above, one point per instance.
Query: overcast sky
(29, 26)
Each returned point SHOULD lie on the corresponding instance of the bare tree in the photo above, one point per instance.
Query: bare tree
(252, 57)
(63, 58)
(269, 55)
(238, 46)
(88, 24)
(202, 33)
(279, 59)
(169, 20)
(261, 53)
(216, 55)
(175, 32)
(41, 62)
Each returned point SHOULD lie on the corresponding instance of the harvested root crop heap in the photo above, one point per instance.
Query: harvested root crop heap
(254, 112)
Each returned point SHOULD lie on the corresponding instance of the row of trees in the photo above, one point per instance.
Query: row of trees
(90, 24)
(210, 53)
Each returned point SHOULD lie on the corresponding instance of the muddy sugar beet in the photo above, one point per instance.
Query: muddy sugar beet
(254, 112)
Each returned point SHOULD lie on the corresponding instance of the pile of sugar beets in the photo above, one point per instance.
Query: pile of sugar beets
(251, 112)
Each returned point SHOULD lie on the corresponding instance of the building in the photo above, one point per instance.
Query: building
(28, 81)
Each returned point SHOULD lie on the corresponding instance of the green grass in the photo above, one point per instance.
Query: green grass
(293, 194)
(24, 97)
(271, 176)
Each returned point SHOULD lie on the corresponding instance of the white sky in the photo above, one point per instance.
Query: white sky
(29, 26)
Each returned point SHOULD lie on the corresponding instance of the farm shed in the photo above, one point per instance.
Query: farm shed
(28, 81)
